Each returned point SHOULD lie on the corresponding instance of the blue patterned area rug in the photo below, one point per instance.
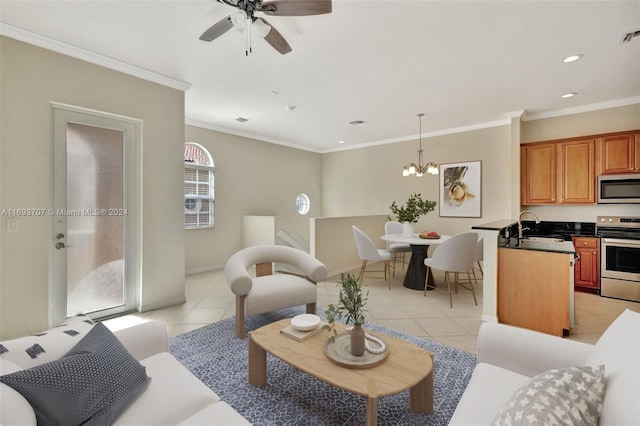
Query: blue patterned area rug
(217, 357)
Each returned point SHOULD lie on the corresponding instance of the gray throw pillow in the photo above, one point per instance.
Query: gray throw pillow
(565, 396)
(91, 385)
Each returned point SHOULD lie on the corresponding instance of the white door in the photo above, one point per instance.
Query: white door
(95, 221)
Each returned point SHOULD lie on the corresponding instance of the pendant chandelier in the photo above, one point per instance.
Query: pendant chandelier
(420, 169)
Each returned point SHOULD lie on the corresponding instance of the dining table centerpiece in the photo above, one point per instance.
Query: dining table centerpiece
(351, 308)
(409, 213)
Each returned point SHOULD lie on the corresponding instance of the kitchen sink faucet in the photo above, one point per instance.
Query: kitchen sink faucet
(520, 228)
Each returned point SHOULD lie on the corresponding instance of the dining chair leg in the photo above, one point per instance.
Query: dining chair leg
(388, 265)
(480, 268)
(395, 259)
(426, 282)
(364, 265)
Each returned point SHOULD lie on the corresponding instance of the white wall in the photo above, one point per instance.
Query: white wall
(30, 78)
(366, 181)
(252, 178)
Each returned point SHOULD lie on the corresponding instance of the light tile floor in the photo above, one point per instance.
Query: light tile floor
(209, 299)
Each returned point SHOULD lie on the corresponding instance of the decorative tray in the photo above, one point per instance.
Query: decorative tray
(339, 352)
(429, 238)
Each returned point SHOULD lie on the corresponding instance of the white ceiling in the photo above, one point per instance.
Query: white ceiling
(462, 63)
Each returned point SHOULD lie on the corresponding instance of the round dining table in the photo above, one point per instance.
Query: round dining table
(416, 270)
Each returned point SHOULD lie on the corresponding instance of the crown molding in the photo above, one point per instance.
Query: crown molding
(87, 56)
(584, 108)
(209, 126)
(521, 113)
(449, 131)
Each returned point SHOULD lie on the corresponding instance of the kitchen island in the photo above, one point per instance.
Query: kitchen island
(535, 285)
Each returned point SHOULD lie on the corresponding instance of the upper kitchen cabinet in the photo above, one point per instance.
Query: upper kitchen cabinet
(538, 168)
(559, 172)
(578, 172)
(620, 153)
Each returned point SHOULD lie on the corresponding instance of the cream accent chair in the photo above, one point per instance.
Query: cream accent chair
(368, 251)
(267, 292)
(395, 227)
(455, 255)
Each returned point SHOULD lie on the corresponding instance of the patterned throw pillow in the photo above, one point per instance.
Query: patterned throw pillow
(48, 345)
(91, 385)
(563, 396)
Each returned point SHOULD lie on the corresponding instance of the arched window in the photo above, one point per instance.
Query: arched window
(199, 181)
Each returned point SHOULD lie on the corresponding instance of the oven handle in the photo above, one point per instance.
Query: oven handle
(620, 242)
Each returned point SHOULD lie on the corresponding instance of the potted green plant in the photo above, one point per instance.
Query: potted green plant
(411, 212)
(351, 308)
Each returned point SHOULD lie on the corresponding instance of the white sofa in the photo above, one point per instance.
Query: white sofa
(173, 396)
(509, 356)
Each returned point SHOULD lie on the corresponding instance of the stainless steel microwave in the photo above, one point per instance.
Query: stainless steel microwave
(619, 189)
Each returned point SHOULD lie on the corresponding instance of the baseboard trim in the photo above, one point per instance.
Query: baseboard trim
(489, 318)
(160, 305)
(344, 269)
(204, 269)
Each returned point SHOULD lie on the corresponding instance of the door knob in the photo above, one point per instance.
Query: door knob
(59, 236)
(60, 245)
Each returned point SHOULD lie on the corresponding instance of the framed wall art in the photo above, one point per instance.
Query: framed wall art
(461, 189)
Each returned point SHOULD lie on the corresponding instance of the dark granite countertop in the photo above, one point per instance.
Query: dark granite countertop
(495, 225)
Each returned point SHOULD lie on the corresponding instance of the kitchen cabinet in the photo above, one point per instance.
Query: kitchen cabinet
(535, 289)
(587, 265)
(561, 172)
(620, 153)
(538, 173)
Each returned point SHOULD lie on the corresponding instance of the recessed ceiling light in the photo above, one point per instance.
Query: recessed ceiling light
(291, 108)
(572, 58)
(357, 122)
(242, 119)
(569, 95)
(340, 141)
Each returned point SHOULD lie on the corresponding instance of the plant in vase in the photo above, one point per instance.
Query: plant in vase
(411, 212)
(351, 308)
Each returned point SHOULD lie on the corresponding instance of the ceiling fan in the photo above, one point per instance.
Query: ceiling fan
(244, 18)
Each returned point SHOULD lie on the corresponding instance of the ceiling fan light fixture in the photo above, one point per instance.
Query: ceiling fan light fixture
(262, 28)
(239, 19)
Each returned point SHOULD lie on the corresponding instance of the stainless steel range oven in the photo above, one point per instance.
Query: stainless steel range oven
(620, 258)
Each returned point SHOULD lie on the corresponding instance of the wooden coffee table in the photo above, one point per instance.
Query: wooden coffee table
(407, 367)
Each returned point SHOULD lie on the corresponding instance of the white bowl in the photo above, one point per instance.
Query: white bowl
(305, 322)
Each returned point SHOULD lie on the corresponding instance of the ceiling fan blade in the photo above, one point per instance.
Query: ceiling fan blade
(296, 7)
(275, 39)
(217, 29)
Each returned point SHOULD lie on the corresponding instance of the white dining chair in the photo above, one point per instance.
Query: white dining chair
(368, 252)
(479, 258)
(455, 255)
(395, 227)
